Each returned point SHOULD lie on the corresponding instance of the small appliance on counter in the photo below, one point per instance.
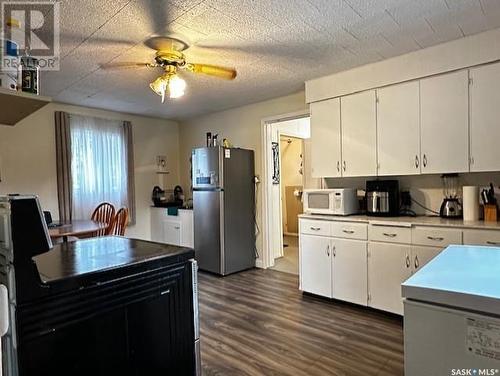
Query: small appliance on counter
(164, 199)
(451, 206)
(382, 198)
(335, 201)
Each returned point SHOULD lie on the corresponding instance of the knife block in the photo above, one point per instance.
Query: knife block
(490, 213)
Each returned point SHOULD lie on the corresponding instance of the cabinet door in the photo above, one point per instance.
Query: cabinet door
(325, 138)
(422, 255)
(316, 265)
(485, 118)
(445, 123)
(389, 265)
(172, 232)
(398, 129)
(359, 134)
(350, 269)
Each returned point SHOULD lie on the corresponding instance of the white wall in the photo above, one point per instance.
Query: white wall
(242, 126)
(28, 158)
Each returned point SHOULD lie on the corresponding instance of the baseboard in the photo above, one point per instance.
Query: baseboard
(259, 264)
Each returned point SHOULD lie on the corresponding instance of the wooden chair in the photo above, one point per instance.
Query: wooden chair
(120, 222)
(104, 213)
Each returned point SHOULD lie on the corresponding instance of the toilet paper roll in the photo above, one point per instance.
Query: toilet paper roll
(470, 203)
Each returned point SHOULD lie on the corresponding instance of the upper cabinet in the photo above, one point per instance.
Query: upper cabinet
(325, 138)
(485, 118)
(359, 134)
(398, 129)
(444, 128)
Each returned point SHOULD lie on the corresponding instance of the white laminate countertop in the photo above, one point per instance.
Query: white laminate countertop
(407, 221)
(461, 276)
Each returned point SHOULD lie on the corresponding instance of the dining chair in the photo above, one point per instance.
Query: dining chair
(104, 213)
(120, 222)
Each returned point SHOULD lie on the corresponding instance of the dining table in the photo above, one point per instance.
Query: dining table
(76, 228)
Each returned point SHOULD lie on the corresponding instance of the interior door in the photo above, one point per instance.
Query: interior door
(484, 118)
(350, 270)
(316, 265)
(389, 265)
(398, 129)
(325, 138)
(359, 134)
(444, 127)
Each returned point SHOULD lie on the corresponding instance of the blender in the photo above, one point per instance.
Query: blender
(451, 206)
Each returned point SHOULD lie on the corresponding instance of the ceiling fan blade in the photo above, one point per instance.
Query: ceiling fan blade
(158, 14)
(212, 70)
(126, 65)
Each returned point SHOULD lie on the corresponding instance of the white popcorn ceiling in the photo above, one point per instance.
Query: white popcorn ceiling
(274, 44)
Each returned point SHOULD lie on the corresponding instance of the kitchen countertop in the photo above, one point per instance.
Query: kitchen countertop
(465, 277)
(407, 221)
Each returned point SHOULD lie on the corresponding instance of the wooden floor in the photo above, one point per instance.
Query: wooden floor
(259, 323)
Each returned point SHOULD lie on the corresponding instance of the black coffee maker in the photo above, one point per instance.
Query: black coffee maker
(382, 198)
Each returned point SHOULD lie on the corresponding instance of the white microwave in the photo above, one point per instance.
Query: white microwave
(338, 201)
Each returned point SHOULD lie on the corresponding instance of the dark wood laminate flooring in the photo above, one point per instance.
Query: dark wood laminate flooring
(258, 323)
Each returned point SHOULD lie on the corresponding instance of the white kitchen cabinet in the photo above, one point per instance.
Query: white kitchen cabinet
(359, 134)
(422, 255)
(398, 129)
(444, 129)
(389, 265)
(172, 232)
(485, 118)
(170, 229)
(316, 265)
(325, 138)
(349, 270)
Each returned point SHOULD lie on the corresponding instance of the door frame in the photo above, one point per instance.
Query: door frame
(268, 125)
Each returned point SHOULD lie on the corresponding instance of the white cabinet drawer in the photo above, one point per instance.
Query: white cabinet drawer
(350, 230)
(482, 237)
(315, 227)
(436, 237)
(389, 234)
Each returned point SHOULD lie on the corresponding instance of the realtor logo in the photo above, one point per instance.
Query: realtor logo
(31, 27)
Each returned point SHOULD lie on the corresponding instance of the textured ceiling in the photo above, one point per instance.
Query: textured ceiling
(275, 45)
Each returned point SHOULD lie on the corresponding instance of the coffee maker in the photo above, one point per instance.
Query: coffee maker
(382, 198)
(451, 206)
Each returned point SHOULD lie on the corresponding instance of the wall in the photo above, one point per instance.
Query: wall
(426, 189)
(28, 160)
(290, 175)
(242, 126)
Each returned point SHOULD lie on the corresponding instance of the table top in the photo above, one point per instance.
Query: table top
(97, 255)
(76, 228)
(465, 277)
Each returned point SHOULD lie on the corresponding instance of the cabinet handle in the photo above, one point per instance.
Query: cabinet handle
(435, 238)
(492, 243)
(315, 228)
(417, 162)
(408, 262)
(390, 235)
(344, 166)
(328, 250)
(334, 251)
(338, 166)
(347, 231)
(417, 263)
(424, 160)
(177, 227)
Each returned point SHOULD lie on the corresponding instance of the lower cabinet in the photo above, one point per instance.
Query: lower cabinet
(172, 232)
(316, 265)
(389, 265)
(172, 229)
(349, 266)
(422, 255)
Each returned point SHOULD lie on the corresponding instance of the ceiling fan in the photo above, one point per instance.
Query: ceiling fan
(170, 58)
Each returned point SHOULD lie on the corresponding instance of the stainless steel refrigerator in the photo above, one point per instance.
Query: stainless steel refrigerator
(224, 209)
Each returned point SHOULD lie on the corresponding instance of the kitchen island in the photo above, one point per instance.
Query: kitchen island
(452, 313)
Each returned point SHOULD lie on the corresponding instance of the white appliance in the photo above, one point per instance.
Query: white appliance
(337, 201)
(452, 314)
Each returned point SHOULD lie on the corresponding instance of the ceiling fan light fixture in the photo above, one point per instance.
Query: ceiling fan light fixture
(176, 86)
(169, 83)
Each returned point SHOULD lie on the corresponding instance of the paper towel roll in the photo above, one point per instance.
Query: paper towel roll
(470, 203)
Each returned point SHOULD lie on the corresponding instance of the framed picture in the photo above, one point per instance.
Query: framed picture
(276, 162)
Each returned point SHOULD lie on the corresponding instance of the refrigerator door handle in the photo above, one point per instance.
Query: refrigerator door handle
(222, 245)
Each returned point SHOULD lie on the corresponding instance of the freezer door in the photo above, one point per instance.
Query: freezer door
(207, 168)
(207, 230)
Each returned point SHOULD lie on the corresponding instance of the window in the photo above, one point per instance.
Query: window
(98, 164)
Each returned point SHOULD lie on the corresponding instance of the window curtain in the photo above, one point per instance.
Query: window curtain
(98, 164)
(129, 144)
(63, 165)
